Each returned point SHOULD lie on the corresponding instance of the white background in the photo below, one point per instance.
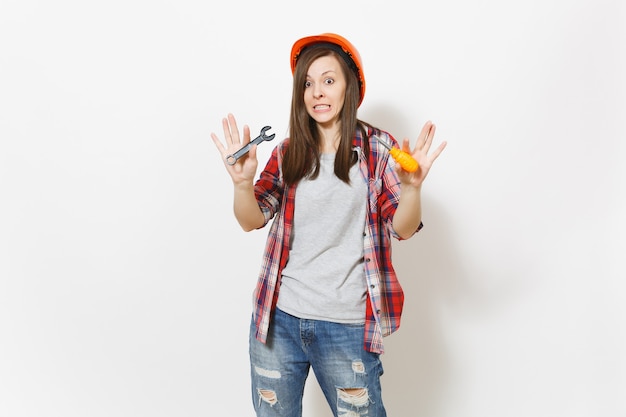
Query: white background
(125, 282)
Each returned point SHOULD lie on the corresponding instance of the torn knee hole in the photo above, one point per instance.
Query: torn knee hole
(268, 396)
(357, 392)
(355, 396)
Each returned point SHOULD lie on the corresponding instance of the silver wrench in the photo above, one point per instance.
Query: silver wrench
(232, 158)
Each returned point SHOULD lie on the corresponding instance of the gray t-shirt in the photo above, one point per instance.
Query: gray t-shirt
(324, 277)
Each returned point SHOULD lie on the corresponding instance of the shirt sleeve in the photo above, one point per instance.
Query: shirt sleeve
(269, 188)
(391, 189)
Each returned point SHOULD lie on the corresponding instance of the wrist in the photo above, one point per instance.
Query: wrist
(409, 188)
(244, 185)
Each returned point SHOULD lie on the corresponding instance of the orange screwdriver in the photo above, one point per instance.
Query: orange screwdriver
(406, 161)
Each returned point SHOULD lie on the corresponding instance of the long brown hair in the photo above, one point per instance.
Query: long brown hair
(302, 156)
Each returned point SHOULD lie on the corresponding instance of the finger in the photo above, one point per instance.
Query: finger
(428, 138)
(438, 151)
(406, 145)
(246, 134)
(421, 139)
(234, 130)
(226, 128)
(218, 144)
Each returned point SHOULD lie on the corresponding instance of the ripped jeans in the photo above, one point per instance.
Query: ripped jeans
(348, 375)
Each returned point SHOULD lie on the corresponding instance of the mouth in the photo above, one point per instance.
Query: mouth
(321, 107)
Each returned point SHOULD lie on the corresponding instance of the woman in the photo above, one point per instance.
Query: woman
(327, 292)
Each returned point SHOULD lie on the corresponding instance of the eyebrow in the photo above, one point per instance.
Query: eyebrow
(324, 73)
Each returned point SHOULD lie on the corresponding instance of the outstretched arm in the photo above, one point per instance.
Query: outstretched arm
(409, 212)
(245, 206)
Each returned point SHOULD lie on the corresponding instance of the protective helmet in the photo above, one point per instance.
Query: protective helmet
(354, 59)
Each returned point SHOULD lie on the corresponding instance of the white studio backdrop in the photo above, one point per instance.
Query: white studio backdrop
(125, 282)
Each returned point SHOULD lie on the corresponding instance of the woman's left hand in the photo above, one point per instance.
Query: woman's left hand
(420, 154)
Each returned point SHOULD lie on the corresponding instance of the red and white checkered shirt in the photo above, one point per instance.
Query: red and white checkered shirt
(385, 296)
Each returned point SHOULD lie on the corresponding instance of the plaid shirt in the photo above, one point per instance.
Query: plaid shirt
(385, 296)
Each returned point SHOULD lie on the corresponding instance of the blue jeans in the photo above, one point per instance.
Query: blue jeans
(348, 375)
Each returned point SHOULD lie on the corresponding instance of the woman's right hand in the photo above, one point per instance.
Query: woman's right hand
(244, 170)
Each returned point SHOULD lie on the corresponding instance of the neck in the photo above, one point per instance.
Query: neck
(329, 139)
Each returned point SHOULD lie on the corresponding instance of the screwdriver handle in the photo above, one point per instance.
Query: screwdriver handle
(406, 161)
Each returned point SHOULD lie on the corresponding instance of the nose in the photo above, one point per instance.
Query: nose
(317, 92)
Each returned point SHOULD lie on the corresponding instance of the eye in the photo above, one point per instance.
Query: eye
(329, 81)
(307, 84)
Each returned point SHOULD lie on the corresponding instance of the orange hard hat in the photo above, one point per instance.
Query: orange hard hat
(349, 50)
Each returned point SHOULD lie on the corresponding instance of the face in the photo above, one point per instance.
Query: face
(324, 90)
